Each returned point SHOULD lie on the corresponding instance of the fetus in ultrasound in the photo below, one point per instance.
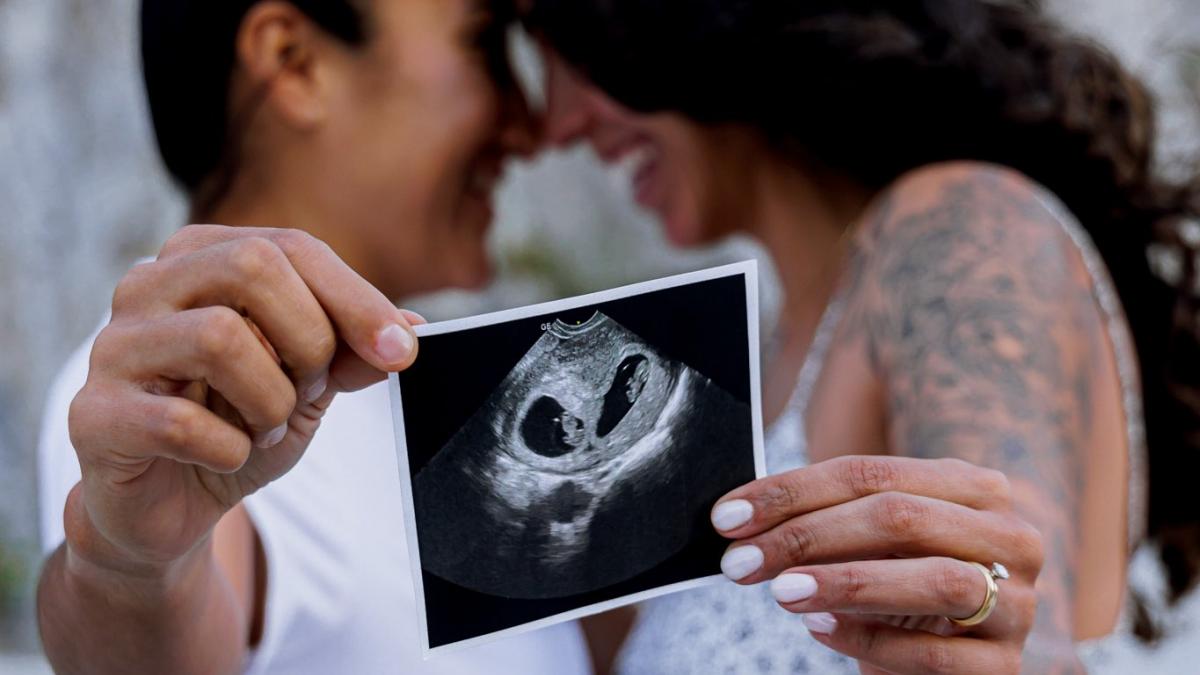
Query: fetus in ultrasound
(596, 459)
(551, 431)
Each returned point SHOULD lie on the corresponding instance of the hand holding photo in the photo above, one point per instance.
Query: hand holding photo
(561, 460)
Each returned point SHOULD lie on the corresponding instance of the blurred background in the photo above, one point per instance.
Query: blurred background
(82, 195)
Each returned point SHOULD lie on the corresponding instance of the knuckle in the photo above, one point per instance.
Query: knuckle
(853, 582)
(321, 348)
(996, 484)
(957, 585)
(797, 542)
(296, 241)
(870, 639)
(81, 419)
(934, 657)
(955, 464)
(252, 258)
(868, 475)
(900, 515)
(1028, 546)
(181, 240)
(192, 238)
(301, 245)
(220, 333)
(107, 349)
(279, 408)
(779, 496)
(132, 288)
(176, 423)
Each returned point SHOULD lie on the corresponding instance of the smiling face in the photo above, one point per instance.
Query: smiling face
(685, 172)
(416, 138)
(388, 149)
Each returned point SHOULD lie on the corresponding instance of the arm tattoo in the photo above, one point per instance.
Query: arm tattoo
(972, 311)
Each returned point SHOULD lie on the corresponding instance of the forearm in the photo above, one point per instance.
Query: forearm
(182, 618)
(1050, 648)
(606, 633)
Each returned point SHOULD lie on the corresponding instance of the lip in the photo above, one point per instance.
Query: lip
(484, 204)
(644, 183)
(640, 157)
(484, 176)
(613, 151)
(481, 182)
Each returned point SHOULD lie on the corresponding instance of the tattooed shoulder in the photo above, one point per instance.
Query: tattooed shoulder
(978, 317)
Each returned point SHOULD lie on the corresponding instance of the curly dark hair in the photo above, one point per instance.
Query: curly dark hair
(875, 88)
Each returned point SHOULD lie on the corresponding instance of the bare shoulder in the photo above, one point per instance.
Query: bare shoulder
(970, 212)
(974, 249)
(976, 314)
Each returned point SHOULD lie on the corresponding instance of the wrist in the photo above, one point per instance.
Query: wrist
(92, 557)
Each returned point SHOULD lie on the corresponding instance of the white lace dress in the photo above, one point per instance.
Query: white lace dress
(732, 630)
(728, 629)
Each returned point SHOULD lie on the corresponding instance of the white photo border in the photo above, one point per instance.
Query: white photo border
(748, 269)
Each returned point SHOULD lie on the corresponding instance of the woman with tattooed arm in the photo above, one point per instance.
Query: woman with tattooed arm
(935, 308)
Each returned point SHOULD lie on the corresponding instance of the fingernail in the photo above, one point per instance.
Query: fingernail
(394, 344)
(316, 389)
(793, 587)
(414, 318)
(732, 514)
(273, 437)
(740, 562)
(821, 623)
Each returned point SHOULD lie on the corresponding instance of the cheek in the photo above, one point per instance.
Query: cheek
(457, 125)
(460, 106)
(436, 127)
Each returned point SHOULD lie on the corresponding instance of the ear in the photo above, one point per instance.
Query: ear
(279, 51)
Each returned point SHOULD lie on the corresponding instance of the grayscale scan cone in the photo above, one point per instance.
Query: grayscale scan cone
(593, 461)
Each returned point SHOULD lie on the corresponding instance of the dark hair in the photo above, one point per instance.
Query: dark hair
(874, 88)
(188, 54)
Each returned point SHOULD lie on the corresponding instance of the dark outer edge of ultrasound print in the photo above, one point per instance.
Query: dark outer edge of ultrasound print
(748, 269)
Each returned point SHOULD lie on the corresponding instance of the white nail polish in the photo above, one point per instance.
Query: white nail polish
(272, 438)
(732, 514)
(317, 389)
(740, 562)
(821, 623)
(793, 587)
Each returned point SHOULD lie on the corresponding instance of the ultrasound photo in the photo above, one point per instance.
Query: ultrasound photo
(561, 460)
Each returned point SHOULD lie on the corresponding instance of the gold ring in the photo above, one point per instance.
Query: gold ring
(997, 571)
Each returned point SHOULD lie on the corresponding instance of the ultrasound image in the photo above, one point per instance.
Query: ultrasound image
(596, 459)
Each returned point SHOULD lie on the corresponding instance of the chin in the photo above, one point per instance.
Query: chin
(475, 276)
(683, 232)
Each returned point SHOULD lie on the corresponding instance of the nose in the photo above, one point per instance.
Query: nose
(567, 118)
(520, 129)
